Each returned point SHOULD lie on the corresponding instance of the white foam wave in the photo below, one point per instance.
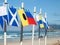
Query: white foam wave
(1, 37)
(12, 36)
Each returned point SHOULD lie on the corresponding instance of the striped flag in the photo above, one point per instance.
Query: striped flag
(30, 18)
(13, 18)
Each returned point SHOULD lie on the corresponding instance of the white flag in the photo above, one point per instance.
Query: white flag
(3, 10)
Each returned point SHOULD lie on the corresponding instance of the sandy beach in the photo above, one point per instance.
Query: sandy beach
(50, 41)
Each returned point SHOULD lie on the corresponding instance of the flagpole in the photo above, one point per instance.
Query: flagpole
(39, 26)
(45, 33)
(4, 32)
(45, 37)
(5, 4)
(39, 35)
(33, 27)
(21, 39)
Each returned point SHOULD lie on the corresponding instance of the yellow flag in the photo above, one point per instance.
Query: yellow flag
(41, 26)
(23, 17)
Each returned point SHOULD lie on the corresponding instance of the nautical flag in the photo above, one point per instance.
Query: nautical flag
(30, 18)
(45, 23)
(23, 17)
(39, 21)
(3, 15)
(13, 19)
(1, 21)
(6, 18)
(26, 17)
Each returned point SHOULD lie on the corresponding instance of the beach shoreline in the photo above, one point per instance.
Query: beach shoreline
(50, 41)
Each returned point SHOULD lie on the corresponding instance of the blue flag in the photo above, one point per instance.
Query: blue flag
(6, 18)
(1, 21)
(13, 19)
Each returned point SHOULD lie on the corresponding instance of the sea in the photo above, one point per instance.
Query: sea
(15, 35)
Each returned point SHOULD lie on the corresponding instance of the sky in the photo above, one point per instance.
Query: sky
(51, 7)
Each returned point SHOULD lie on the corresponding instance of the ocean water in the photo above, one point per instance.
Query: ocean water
(26, 34)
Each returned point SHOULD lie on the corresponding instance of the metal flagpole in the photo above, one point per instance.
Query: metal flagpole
(39, 26)
(45, 37)
(39, 35)
(4, 32)
(5, 4)
(33, 27)
(45, 33)
(21, 39)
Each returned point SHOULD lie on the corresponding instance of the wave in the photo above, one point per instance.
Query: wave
(1, 37)
(12, 36)
(8, 36)
(28, 35)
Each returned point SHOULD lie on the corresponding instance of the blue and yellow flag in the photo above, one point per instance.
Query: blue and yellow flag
(40, 22)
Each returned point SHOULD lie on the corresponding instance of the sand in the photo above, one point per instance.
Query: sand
(50, 41)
